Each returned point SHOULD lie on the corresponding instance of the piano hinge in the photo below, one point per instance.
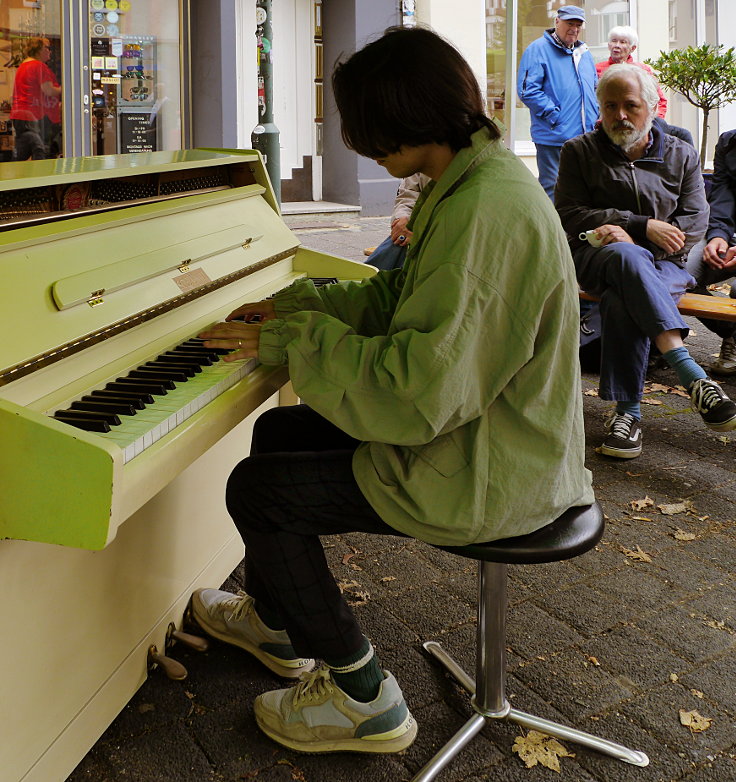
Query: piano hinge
(247, 243)
(95, 298)
(184, 266)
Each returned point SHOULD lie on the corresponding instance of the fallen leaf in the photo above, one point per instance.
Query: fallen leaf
(680, 534)
(594, 661)
(641, 518)
(387, 578)
(590, 392)
(647, 502)
(634, 474)
(537, 747)
(144, 707)
(723, 438)
(680, 391)
(697, 694)
(674, 677)
(645, 401)
(638, 555)
(695, 721)
(674, 508)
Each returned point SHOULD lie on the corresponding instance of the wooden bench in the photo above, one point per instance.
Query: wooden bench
(699, 304)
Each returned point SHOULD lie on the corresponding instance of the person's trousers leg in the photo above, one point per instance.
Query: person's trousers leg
(387, 255)
(296, 485)
(548, 164)
(638, 302)
(705, 276)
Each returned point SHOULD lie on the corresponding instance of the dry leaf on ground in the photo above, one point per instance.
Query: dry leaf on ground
(680, 534)
(695, 721)
(590, 392)
(645, 401)
(647, 502)
(638, 555)
(537, 747)
(673, 508)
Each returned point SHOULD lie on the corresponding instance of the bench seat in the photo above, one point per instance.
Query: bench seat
(698, 304)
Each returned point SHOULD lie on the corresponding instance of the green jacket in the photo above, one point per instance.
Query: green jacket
(459, 372)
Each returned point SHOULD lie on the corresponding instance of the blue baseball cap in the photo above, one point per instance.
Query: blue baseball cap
(570, 12)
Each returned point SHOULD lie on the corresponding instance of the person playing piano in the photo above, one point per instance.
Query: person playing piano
(441, 400)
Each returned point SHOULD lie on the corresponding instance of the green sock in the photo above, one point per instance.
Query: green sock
(359, 675)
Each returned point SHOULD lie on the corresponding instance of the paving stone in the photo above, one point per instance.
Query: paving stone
(532, 632)
(716, 680)
(576, 687)
(720, 769)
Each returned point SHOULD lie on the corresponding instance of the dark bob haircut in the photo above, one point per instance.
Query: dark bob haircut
(407, 88)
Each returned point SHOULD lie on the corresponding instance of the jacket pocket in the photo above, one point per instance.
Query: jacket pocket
(442, 454)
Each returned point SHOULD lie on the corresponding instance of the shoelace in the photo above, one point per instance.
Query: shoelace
(621, 425)
(705, 395)
(313, 685)
(239, 606)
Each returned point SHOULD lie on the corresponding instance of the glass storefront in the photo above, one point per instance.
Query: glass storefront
(135, 75)
(30, 80)
(123, 84)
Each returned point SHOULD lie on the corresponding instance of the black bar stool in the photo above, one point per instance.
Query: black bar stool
(573, 533)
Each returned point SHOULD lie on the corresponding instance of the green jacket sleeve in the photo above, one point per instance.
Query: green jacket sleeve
(421, 379)
(367, 306)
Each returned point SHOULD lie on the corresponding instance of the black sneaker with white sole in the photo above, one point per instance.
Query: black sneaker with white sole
(624, 437)
(715, 408)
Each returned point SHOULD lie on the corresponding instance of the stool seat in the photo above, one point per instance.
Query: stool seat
(573, 533)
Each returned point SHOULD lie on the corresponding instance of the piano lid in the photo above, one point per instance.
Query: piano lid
(78, 280)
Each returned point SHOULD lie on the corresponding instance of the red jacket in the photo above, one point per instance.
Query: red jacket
(662, 105)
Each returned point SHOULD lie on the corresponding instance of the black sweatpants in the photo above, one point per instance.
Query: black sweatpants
(296, 485)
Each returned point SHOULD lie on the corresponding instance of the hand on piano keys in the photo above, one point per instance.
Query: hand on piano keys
(240, 338)
(254, 312)
(139, 409)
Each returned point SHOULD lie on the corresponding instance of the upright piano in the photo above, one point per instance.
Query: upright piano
(117, 431)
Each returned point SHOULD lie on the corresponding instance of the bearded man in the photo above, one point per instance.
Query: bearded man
(639, 194)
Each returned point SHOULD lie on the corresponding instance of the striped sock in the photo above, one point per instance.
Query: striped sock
(359, 675)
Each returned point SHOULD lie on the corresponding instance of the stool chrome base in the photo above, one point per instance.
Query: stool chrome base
(490, 701)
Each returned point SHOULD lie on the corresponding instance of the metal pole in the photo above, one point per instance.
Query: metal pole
(265, 136)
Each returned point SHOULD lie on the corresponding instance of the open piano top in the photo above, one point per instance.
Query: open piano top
(108, 265)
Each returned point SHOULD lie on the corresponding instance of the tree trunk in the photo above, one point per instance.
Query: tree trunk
(704, 139)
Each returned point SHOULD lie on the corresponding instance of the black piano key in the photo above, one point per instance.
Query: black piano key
(88, 424)
(136, 401)
(201, 358)
(198, 344)
(110, 418)
(162, 382)
(139, 400)
(157, 374)
(131, 384)
(179, 361)
(165, 366)
(103, 406)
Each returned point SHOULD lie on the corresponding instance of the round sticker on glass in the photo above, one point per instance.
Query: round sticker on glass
(98, 17)
(111, 5)
(112, 29)
(99, 29)
(261, 15)
(112, 17)
(124, 5)
(97, 5)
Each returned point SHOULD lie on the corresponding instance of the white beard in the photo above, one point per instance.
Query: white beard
(627, 137)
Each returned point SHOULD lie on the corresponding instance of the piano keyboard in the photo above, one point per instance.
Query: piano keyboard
(139, 409)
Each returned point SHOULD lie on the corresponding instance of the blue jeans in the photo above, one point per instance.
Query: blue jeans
(548, 164)
(387, 256)
(705, 276)
(638, 302)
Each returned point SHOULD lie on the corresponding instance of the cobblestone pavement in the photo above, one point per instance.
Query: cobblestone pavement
(615, 642)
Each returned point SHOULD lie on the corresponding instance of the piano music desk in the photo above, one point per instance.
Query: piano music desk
(108, 263)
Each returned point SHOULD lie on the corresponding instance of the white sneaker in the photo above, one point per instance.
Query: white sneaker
(317, 716)
(232, 619)
(725, 364)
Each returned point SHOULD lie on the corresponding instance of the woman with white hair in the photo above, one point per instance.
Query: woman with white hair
(622, 42)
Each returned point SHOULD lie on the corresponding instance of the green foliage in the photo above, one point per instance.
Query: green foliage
(704, 75)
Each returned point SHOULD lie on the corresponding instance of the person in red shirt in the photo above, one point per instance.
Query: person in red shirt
(36, 95)
(622, 42)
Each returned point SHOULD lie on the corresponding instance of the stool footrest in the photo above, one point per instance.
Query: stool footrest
(473, 726)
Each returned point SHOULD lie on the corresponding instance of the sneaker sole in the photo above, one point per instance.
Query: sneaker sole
(619, 453)
(394, 741)
(722, 426)
(274, 664)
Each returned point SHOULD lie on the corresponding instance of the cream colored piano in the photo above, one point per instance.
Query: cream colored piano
(112, 513)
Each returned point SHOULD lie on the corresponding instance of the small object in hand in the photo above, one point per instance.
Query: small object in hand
(402, 238)
(591, 238)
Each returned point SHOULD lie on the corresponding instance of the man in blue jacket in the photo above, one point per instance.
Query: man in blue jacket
(714, 259)
(556, 81)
